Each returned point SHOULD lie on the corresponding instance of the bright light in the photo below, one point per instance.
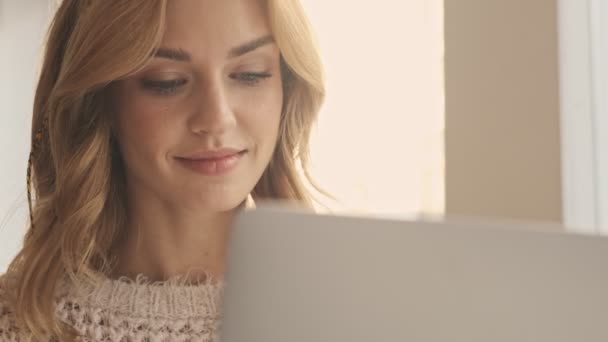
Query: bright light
(378, 146)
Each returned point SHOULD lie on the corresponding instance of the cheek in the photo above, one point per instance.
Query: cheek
(263, 119)
(145, 131)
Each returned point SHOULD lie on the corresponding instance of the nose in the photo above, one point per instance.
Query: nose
(213, 114)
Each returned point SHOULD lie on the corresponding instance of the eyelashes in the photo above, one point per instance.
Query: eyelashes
(252, 78)
(164, 87)
(168, 87)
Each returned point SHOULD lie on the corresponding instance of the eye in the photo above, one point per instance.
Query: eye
(251, 78)
(164, 87)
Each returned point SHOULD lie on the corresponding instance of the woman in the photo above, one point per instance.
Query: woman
(154, 122)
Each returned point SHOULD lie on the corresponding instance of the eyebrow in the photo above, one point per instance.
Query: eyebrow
(237, 51)
(174, 54)
(250, 46)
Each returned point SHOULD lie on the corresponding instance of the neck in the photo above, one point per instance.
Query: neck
(162, 242)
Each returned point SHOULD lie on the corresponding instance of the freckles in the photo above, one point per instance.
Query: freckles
(260, 116)
(150, 117)
(146, 126)
(266, 104)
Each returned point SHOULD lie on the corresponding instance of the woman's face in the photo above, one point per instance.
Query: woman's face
(198, 125)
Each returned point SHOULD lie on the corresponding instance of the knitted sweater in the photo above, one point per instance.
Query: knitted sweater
(131, 311)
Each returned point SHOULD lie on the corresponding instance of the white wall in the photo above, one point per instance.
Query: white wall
(22, 27)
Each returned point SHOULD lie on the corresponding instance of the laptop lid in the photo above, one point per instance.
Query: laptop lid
(298, 277)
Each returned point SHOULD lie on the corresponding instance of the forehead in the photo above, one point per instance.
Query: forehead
(214, 26)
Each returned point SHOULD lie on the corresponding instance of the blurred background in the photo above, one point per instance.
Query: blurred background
(444, 108)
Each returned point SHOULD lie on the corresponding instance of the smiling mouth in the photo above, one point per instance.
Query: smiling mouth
(213, 163)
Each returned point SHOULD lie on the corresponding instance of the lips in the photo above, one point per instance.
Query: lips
(213, 154)
(213, 163)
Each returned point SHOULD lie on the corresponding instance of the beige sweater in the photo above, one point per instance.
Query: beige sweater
(131, 311)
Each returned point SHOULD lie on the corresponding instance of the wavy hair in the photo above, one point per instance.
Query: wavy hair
(75, 170)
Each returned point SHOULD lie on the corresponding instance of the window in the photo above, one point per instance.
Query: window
(378, 146)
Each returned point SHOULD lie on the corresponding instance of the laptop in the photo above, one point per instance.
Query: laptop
(301, 277)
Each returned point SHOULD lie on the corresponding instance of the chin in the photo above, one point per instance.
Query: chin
(223, 207)
(217, 201)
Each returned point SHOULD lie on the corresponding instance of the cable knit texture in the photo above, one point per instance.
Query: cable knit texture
(126, 310)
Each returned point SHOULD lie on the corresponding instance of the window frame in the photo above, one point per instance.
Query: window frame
(583, 29)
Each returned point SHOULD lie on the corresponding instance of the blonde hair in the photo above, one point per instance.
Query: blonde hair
(76, 170)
